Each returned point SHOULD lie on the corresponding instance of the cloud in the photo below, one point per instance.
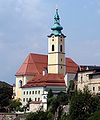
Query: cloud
(19, 33)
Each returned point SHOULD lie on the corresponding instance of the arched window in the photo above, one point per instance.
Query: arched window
(60, 48)
(52, 47)
(20, 83)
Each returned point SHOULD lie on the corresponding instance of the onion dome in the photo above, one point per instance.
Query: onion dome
(56, 28)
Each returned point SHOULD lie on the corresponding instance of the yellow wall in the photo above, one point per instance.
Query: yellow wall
(56, 58)
(18, 90)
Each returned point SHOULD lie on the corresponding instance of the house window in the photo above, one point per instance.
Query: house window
(39, 92)
(27, 99)
(27, 92)
(60, 48)
(93, 88)
(24, 92)
(35, 92)
(35, 99)
(52, 47)
(81, 79)
(23, 99)
(32, 92)
(99, 88)
(61, 59)
(38, 99)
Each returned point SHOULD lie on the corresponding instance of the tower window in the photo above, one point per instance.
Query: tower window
(52, 47)
(61, 39)
(60, 48)
(61, 59)
(52, 39)
(61, 67)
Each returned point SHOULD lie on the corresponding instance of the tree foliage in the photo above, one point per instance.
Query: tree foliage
(39, 115)
(15, 105)
(56, 103)
(82, 104)
(95, 116)
(6, 92)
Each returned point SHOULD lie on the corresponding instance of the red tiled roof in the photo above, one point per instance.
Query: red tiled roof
(46, 80)
(71, 66)
(35, 64)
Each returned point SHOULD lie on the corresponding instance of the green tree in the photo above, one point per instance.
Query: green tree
(6, 92)
(15, 105)
(39, 115)
(49, 98)
(71, 89)
(50, 94)
(95, 116)
(82, 104)
(56, 104)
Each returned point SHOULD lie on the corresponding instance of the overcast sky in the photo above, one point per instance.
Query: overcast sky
(25, 24)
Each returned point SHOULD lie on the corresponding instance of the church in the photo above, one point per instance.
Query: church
(40, 73)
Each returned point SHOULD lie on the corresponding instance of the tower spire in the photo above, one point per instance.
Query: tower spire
(56, 28)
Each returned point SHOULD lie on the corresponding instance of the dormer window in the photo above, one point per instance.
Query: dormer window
(52, 47)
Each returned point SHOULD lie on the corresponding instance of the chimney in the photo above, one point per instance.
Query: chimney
(45, 71)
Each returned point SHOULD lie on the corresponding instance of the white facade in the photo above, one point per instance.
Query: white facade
(88, 78)
(35, 93)
(38, 96)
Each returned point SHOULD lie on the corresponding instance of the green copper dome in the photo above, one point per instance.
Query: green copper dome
(56, 28)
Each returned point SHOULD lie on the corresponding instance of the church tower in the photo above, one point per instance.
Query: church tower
(56, 48)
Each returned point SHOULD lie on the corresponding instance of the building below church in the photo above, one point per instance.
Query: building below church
(89, 76)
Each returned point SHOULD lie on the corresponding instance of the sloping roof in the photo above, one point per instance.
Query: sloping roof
(71, 66)
(35, 64)
(46, 80)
